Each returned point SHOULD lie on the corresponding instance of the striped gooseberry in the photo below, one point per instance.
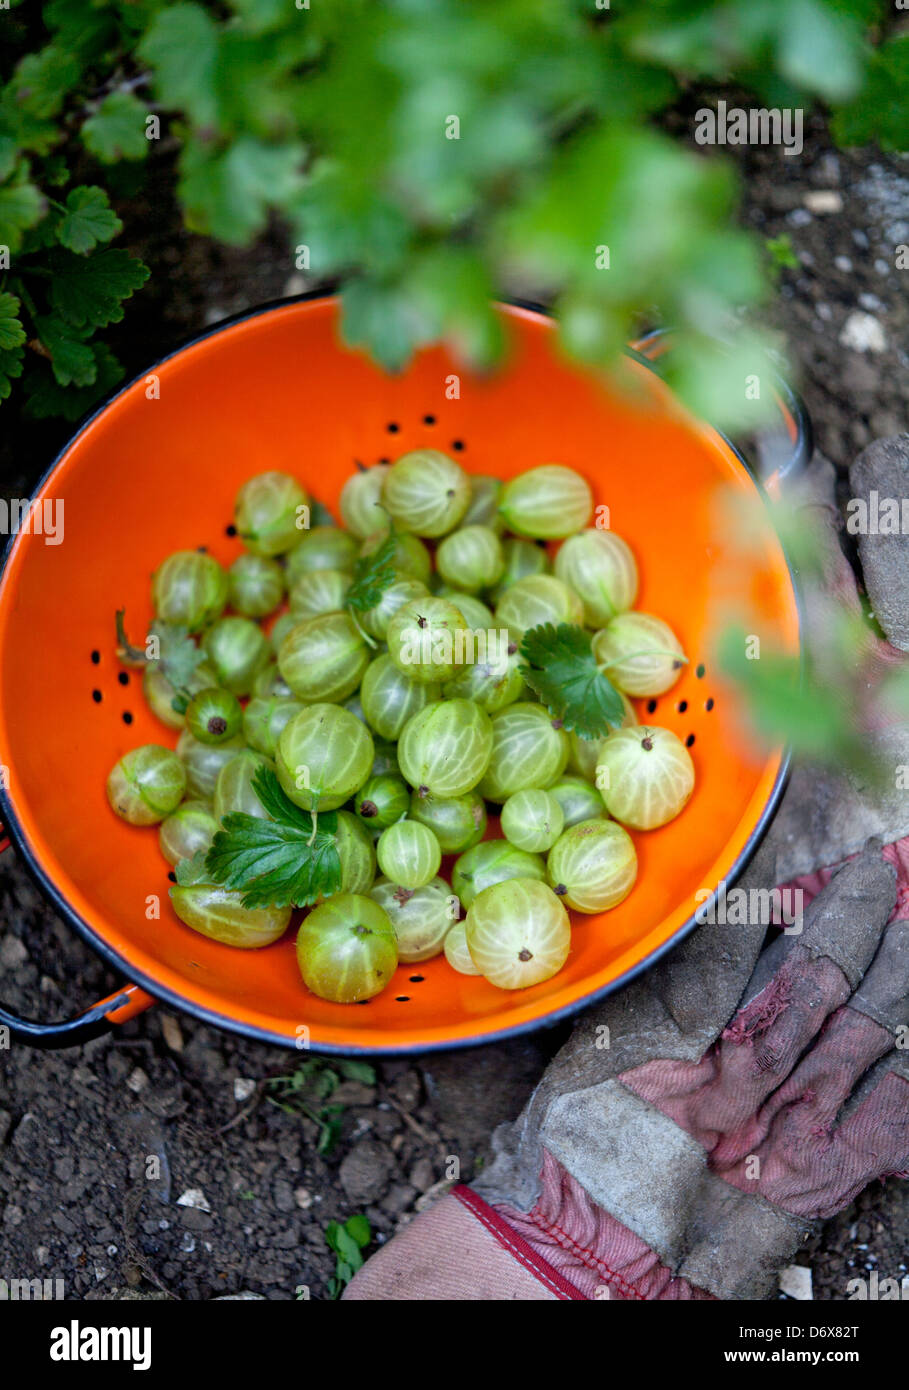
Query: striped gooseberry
(445, 749)
(593, 865)
(346, 949)
(546, 503)
(518, 933)
(426, 492)
(324, 755)
(645, 776)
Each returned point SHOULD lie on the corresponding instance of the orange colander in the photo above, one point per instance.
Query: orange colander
(156, 470)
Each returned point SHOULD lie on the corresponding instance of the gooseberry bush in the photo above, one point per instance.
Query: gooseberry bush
(425, 154)
(351, 759)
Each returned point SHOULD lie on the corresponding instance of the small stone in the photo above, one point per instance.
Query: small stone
(12, 953)
(137, 1080)
(799, 217)
(171, 1032)
(863, 333)
(421, 1175)
(823, 201)
(843, 263)
(883, 468)
(245, 1296)
(795, 1280)
(303, 1198)
(243, 1088)
(365, 1171)
(194, 1197)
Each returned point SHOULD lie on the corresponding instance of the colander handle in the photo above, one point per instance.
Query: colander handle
(784, 451)
(100, 1018)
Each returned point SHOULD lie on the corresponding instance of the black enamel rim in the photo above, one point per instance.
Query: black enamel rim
(112, 958)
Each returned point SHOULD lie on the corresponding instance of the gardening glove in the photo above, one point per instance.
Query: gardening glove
(670, 1153)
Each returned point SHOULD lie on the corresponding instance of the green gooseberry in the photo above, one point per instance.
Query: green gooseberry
(410, 554)
(322, 548)
(382, 800)
(214, 716)
(579, 800)
(471, 558)
(189, 589)
(265, 718)
(323, 659)
(219, 914)
(317, 592)
(346, 949)
(403, 589)
(203, 762)
(324, 755)
(238, 650)
(190, 828)
(271, 513)
(256, 585)
(522, 559)
(361, 500)
(234, 790)
(458, 822)
(146, 784)
(356, 853)
(489, 862)
(429, 640)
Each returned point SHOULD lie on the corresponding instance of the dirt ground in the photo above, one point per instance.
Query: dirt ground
(242, 1194)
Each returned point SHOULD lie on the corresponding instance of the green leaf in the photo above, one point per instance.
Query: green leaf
(282, 862)
(179, 654)
(12, 361)
(182, 48)
(46, 398)
(561, 668)
(881, 110)
(42, 80)
(372, 575)
(819, 50)
(73, 360)
(189, 871)
(21, 206)
(12, 334)
(91, 289)
(357, 1071)
(117, 129)
(228, 194)
(359, 1228)
(88, 220)
(382, 319)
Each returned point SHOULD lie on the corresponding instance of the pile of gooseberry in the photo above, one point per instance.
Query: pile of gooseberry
(417, 737)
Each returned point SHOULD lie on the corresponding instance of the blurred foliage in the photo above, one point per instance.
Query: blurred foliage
(423, 153)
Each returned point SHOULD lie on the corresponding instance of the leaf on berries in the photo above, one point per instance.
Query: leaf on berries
(287, 861)
(561, 668)
(372, 575)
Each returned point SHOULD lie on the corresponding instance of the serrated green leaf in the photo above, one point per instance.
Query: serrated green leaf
(228, 193)
(12, 334)
(72, 359)
(91, 289)
(286, 861)
(189, 871)
(43, 80)
(182, 48)
(12, 361)
(561, 668)
(881, 110)
(46, 398)
(21, 206)
(372, 575)
(117, 129)
(88, 220)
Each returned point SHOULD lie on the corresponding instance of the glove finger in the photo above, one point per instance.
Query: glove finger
(718, 1100)
(853, 1039)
